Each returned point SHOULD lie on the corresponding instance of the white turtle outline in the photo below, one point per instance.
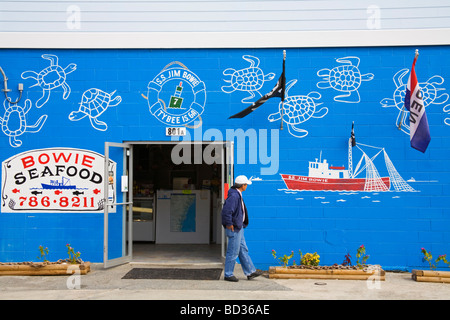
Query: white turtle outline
(22, 111)
(293, 130)
(97, 100)
(254, 64)
(48, 87)
(352, 95)
(447, 110)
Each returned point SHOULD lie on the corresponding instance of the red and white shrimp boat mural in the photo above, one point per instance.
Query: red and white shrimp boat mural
(323, 177)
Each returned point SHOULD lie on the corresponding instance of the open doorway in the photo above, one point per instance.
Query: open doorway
(176, 206)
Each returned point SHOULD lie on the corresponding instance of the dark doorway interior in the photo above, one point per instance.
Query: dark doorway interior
(154, 170)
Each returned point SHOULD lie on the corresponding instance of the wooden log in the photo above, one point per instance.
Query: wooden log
(42, 272)
(431, 279)
(431, 273)
(325, 276)
(56, 266)
(282, 270)
(51, 269)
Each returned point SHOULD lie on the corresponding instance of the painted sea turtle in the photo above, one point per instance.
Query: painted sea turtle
(447, 110)
(14, 122)
(298, 109)
(250, 79)
(430, 95)
(50, 78)
(93, 103)
(346, 78)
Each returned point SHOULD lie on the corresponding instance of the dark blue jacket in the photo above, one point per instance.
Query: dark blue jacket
(232, 213)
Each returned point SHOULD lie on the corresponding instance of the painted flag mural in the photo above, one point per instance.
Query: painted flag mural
(352, 136)
(419, 130)
(277, 91)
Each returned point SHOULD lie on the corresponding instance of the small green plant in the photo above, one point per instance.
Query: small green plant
(73, 256)
(427, 256)
(284, 259)
(309, 259)
(443, 258)
(361, 256)
(43, 253)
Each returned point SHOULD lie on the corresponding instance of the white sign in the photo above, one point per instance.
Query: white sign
(175, 131)
(55, 180)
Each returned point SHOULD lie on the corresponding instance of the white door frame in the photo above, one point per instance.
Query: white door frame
(227, 172)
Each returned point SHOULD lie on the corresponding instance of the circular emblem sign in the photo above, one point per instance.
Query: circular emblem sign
(176, 96)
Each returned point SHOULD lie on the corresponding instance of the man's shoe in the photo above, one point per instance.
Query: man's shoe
(232, 279)
(255, 274)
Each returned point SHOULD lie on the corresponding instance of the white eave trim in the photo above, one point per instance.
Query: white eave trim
(179, 40)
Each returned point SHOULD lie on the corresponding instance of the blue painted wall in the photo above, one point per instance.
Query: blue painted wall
(392, 225)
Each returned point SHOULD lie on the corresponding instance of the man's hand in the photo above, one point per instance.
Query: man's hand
(231, 228)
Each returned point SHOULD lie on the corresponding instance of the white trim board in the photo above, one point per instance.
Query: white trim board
(200, 40)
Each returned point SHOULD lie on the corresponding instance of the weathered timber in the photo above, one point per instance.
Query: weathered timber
(431, 276)
(375, 273)
(37, 269)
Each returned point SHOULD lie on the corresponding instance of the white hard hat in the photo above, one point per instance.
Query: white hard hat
(242, 180)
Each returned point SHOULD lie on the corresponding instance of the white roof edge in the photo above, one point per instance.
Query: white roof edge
(180, 40)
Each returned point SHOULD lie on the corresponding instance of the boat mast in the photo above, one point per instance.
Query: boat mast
(350, 161)
(351, 144)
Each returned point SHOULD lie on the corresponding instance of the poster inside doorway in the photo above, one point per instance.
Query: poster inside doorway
(182, 212)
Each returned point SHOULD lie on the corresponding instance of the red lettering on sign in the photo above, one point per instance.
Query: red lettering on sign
(27, 162)
(87, 161)
(61, 155)
(43, 158)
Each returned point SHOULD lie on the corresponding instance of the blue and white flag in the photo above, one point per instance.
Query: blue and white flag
(419, 131)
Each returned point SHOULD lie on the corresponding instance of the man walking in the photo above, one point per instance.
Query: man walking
(235, 219)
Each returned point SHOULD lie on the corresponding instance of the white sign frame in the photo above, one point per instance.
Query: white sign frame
(54, 180)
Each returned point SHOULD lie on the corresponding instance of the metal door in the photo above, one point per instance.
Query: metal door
(118, 211)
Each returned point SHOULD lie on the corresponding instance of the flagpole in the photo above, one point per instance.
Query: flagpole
(282, 98)
(403, 108)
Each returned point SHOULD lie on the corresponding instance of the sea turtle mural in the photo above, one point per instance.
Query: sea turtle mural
(447, 110)
(345, 78)
(430, 95)
(50, 78)
(250, 79)
(298, 109)
(93, 103)
(14, 122)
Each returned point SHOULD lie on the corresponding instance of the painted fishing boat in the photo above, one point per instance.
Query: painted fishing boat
(55, 184)
(322, 176)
